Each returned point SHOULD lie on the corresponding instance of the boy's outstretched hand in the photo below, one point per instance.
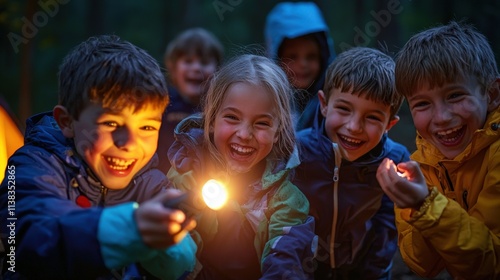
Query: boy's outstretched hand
(404, 184)
(161, 227)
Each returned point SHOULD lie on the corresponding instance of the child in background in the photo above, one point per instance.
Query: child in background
(245, 138)
(339, 159)
(191, 59)
(85, 167)
(298, 38)
(447, 197)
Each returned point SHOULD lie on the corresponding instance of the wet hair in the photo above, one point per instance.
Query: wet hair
(113, 72)
(366, 72)
(258, 71)
(444, 54)
(197, 41)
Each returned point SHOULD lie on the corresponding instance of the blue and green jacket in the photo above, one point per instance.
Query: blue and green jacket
(69, 226)
(264, 231)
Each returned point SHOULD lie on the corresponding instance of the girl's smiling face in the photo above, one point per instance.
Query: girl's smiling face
(245, 128)
(116, 145)
(448, 116)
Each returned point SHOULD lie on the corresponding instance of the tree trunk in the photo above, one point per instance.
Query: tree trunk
(26, 69)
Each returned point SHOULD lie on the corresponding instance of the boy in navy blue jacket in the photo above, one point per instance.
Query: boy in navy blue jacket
(339, 160)
(69, 203)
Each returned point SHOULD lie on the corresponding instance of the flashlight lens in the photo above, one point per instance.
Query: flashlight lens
(214, 194)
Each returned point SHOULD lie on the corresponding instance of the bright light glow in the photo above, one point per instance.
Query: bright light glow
(400, 174)
(214, 194)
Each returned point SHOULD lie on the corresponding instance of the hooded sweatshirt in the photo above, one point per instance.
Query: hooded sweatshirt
(289, 20)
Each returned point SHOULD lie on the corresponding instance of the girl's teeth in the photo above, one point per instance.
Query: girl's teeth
(241, 149)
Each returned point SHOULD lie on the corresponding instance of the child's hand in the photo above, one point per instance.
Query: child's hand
(161, 227)
(406, 189)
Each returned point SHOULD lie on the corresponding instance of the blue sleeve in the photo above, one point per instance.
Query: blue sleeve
(51, 236)
(119, 238)
(292, 254)
(121, 244)
(176, 262)
(383, 242)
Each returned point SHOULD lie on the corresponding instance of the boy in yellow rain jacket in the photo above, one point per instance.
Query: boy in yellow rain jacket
(448, 197)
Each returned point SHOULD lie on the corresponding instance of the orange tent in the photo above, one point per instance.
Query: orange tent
(11, 138)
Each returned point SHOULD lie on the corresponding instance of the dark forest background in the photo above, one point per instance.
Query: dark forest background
(37, 34)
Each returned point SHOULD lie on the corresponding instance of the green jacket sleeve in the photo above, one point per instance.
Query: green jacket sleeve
(291, 242)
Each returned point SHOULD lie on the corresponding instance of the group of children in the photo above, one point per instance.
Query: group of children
(335, 199)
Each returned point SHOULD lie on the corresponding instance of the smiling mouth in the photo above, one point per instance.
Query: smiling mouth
(119, 164)
(349, 143)
(195, 81)
(242, 151)
(451, 136)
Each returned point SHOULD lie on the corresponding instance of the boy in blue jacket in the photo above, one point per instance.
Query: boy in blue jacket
(339, 160)
(70, 198)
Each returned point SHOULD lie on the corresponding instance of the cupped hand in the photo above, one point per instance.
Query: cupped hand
(404, 184)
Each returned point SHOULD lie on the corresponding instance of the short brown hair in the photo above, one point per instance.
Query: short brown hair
(197, 41)
(105, 69)
(366, 72)
(444, 54)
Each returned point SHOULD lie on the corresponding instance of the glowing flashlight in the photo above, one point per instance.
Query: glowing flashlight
(213, 195)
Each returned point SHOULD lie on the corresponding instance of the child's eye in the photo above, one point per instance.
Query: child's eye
(455, 95)
(188, 60)
(109, 124)
(342, 108)
(148, 127)
(375, 118)
(419, 105)
(208, 61)
(264, 123)
(230, 117)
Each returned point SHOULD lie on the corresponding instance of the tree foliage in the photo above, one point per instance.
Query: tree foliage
(37, 34)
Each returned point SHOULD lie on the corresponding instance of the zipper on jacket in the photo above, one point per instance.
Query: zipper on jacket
(464, 198)
(448, 180)
(338, 161)
(104, 191)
